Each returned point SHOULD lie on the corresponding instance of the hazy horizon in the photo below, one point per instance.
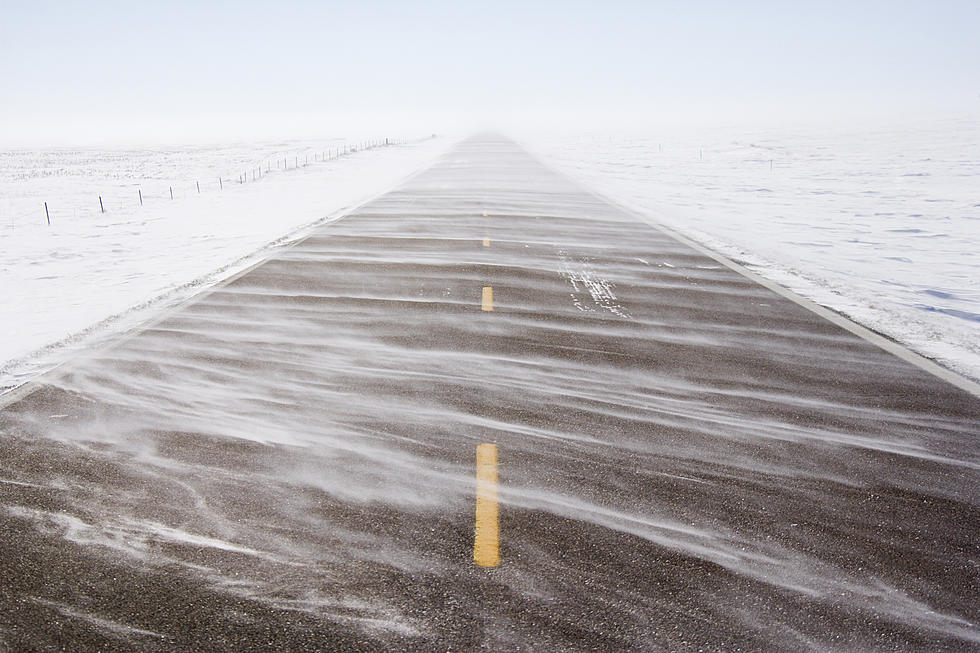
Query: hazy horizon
(185, 72)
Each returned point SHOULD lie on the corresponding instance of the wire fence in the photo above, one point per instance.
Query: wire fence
(93, 196)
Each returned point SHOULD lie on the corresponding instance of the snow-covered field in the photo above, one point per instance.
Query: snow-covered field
(880, 224)
(86, 275)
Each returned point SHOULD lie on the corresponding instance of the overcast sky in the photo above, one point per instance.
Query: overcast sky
(152, 71)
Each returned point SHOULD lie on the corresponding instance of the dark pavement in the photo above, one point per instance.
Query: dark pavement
(687, 460)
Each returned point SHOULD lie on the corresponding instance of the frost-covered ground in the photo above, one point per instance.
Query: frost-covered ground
(880, 224)
(86, 275)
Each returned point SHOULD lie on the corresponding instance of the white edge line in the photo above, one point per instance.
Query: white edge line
(289, 240)
(880, 341)
(891, 346)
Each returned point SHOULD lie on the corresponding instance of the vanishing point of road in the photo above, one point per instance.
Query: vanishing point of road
(490, 410)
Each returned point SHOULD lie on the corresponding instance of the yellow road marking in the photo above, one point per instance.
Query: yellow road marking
(486, 242)
(484, 214)
(486, 543)
(488, 298)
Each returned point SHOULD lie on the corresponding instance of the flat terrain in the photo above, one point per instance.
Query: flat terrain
(686, 459)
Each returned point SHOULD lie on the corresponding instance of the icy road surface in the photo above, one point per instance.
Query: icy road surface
(879, 222)
(88, 275)
(686, 459)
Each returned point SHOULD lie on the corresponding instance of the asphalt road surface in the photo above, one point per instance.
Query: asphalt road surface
(672, 456)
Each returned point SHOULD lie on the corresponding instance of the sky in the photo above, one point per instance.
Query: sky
(78, 72)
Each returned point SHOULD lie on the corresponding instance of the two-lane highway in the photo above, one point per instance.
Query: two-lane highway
(490, 410)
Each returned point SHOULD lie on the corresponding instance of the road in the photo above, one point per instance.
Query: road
(671, 455)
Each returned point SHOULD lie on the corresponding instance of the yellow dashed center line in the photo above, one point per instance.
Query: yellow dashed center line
(486, 242)
(488, 298)
(485, 214)
(486, 543)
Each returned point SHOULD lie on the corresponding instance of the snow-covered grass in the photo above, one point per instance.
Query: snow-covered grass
(83, 277)
(880, 224)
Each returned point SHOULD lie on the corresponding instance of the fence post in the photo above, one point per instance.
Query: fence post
(221, 184)
(47, 214)
(101, 206)
(198, 187)
(171, 192)
(141, 196)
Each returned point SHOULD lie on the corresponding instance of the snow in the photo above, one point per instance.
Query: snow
(176, 416)
(879, 224)
(84, 277)
(882, 225)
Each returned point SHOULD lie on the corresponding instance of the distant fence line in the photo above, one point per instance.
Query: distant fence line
(282, 162)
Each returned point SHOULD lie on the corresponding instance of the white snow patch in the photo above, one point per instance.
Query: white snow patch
(85, 276)
(582, 276)
(107, 625)
(882, 225)
(129, 536)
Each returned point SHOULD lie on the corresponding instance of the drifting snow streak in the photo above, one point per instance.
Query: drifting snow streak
(582, 276)
(304, 434)
(879, 224)
(119, 630)
(64, 284)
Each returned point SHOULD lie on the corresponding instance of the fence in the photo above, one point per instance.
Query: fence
(144, 194)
